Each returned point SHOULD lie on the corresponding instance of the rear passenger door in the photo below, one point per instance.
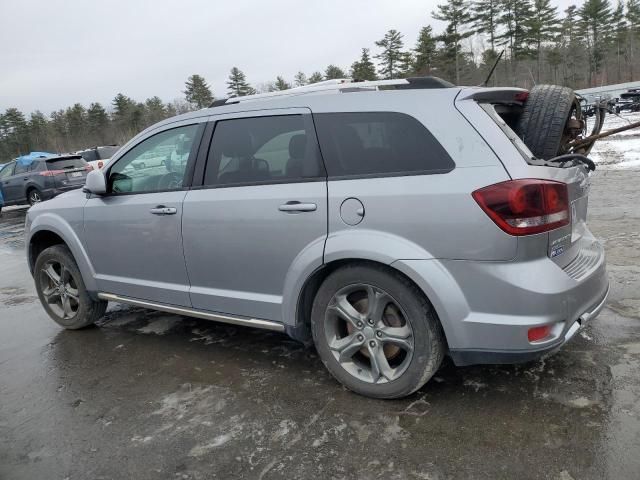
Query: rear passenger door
(259, 215)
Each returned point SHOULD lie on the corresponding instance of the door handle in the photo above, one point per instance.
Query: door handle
(162, 210)
(298, 207)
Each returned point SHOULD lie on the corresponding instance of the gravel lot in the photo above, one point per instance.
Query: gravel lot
(150, 395)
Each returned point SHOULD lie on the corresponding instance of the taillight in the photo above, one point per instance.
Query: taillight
(51, 173)
(521, 96)
(525, 207)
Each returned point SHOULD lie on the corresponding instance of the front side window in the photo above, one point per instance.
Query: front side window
(21, 168)
(158, 163)
(262, 150)
(378, 143)
(7, 170)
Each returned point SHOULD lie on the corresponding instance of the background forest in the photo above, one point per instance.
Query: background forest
(595, 43)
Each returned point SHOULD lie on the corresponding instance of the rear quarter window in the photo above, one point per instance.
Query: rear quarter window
(378, 144)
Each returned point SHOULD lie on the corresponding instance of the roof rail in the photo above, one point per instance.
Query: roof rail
(341, 85)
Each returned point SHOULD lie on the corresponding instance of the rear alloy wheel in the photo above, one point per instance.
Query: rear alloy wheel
(62, 292)
(375, 332)
(34, 196)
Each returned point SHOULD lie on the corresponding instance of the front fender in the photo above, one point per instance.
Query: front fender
(52, 222)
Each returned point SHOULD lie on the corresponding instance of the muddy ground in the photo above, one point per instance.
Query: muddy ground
(150, 395)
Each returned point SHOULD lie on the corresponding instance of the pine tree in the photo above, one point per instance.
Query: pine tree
(485, 15)
(197, 92)
(300, 79)
(571, 46)
(515, 19)
(38, 131)
(425, 51)
(456, 14)
(633, 34)
(595, 19)
(76, 119)
(59, 130)
(316, 77)
(405, 67)
(618, 37)
(391, 55)
(281, 84)
(542, 27)
(155, 110)
(334, 72)
(14, 132)
(97, 123)
(237, 84)
(124, 115)
(364, 69)
(122, 107)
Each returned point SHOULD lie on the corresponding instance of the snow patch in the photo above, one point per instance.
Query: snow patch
(620, 151)
(159, 326)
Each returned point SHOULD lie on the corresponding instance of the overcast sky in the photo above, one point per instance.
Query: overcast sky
(58, 52)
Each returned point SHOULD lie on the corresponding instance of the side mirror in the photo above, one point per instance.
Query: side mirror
(95, 183)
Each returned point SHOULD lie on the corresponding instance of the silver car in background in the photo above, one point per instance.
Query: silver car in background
(389, 223)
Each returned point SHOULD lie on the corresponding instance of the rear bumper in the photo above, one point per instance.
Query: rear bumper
(487, 308)
(473, 357)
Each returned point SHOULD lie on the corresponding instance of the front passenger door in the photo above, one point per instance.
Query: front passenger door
(7, 183)
(133, 233)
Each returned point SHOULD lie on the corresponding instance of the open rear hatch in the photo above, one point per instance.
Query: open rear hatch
(567, 244)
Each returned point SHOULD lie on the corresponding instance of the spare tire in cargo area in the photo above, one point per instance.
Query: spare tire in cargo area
(542, 125)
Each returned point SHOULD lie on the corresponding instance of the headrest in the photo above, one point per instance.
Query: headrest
(236, 143)
(298, 146)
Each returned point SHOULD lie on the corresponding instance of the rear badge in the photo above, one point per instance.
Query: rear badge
(559, 244)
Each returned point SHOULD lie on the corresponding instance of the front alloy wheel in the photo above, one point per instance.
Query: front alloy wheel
(59, 289)
(62, 291)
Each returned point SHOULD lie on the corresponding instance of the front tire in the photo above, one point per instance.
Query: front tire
(376, 332)
(62, 291)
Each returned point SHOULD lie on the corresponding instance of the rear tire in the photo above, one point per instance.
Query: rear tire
(34, 196)
(62, 291)
(389, 342)
(543, 121)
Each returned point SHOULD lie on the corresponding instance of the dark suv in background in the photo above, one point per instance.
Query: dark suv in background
(41, 178)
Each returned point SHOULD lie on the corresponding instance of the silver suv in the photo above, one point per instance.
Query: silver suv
(389, 223)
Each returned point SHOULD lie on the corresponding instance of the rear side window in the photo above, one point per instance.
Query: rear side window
(268, 149)
(378, 143)
(66, 164)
